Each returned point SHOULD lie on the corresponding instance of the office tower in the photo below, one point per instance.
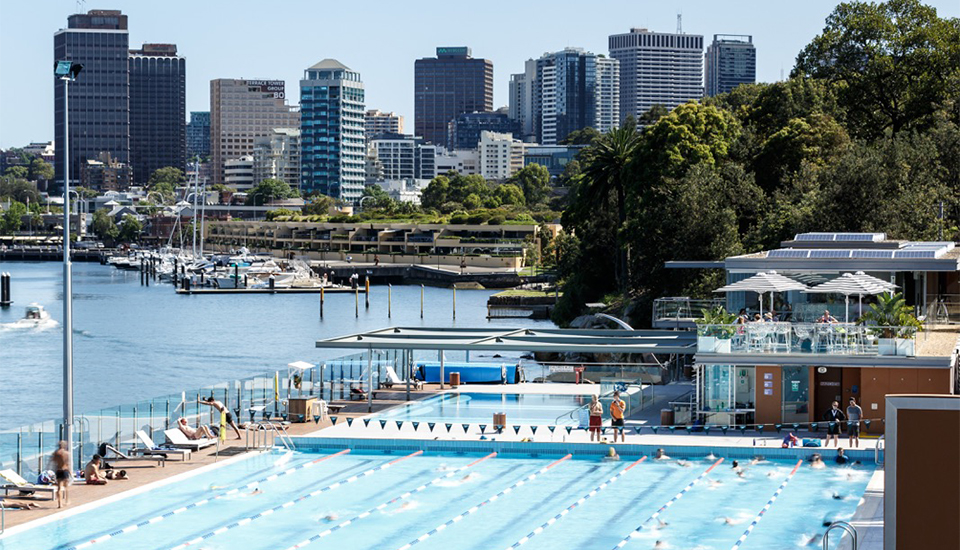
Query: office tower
(240, 112)
(332, 146)
(657, 69)
(445, 86)
(404, 157)
(570, 90)
(520, 102)
(552, 157)
(277, 156)
(731, 60)
(105, 174)
(238, 173)
(501, 155)
(158, 102)
(100, 97)
(464, 131)
(376, 122)
(198, 135)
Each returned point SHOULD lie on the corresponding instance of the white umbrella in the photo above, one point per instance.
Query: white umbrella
(769, 281)
(849, 284)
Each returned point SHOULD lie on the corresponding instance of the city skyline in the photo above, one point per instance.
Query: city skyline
(387, 65)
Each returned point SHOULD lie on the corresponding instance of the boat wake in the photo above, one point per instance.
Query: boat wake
(30, 324)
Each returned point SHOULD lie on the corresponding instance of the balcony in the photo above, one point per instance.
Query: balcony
(809, 338)
(681, 312)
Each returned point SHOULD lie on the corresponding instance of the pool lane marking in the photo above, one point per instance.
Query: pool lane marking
(568, 509)
(158, 519)
(490, 500)
(669, 503)
(289, 503)
(766, 507)
(339, 526)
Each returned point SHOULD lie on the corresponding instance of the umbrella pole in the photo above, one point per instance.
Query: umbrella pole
(761, 305)
(846, 300)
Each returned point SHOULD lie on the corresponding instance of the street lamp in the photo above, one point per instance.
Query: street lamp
(67, 71)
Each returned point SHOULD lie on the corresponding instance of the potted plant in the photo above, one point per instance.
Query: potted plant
(715, 330)
(896, 326)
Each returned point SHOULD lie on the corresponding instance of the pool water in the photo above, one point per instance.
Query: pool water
(479, 408)
(360, 500)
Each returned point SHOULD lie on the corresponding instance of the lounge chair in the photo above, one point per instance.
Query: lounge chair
(179, 440)
(358, 393)
(119, 456)
(152, 449)
(13, 482)
(394, 380)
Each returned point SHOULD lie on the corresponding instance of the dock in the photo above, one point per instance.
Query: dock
(335, 290)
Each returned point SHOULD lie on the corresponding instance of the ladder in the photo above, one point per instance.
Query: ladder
(843, 526)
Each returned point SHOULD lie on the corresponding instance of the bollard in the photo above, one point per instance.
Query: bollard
(186, 285)
(322, 298)
(421, 301)
(273, 284)
(356, 293)
(201, 278)
(454, 302)
(141, 271)
(236, 276)
(366, 291)
(244, 280)
(389, 300)
(5, 300)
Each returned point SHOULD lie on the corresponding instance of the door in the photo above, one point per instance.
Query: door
(829, 388)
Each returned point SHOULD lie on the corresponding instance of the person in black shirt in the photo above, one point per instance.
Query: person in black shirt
(834, 416)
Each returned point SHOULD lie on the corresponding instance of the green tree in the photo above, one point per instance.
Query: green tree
(318, 205)
(19, 172)
(269, 190)
(534, 181)
(652, 115)
(19, 190)
(894, 62)
(510, 194)
(584, 136)
(437, 191)
(13, 217)
(40, 170)
(167, 174)
(379, 198)
(130, 228)
(103, 225)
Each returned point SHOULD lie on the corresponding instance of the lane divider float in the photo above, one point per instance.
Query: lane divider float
(765, 508)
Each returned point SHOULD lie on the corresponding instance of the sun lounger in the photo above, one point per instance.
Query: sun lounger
(119, 456)
(358, 393)
(152, 449)
(394, 380)
(179, 439)
(13, 482)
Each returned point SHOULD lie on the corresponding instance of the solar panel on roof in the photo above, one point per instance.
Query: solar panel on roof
(813, 237)
(916, 254)
(787, 253)
(872, 254)
(868, 237)
(829, 253)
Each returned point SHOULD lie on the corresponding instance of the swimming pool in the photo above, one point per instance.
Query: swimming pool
(361, 499)
(479, 408)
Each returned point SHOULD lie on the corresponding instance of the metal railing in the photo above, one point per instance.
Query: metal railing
(846, 527)
(813, 338)
(881, 446)
(682, 309)
(261, 432)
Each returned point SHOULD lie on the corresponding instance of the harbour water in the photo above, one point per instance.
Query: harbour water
(133, 342)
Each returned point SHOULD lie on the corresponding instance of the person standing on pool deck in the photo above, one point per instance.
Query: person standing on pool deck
(60, 464)
(221, 409)
(854, 414)
(617, 408)
(596, 418)
(834, 417)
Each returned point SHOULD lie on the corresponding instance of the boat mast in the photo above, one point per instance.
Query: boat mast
(196, 192)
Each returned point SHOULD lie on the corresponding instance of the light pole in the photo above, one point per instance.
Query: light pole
(67, 71)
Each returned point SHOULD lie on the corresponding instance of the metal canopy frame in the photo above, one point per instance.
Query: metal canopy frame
(519, 339)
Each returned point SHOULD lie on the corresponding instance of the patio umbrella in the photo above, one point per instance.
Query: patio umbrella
(850, 284)
(764, 282)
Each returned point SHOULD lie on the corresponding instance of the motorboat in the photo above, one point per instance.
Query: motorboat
(34, 316)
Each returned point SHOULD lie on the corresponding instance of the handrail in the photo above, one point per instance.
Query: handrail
(877, 449)
(849, 529)
(3, 518)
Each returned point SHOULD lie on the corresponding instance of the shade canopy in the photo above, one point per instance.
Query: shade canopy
(853, 284)
(299, 366)
(769, 281)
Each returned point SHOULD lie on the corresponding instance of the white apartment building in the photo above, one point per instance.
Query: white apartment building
(657, 69)
(403, 157)
(501, 155)
(277, 156)
(238, 173)
(376, 122)
(465, 162)
(520, 103)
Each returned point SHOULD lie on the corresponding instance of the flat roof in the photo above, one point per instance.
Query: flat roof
(822, 360)
(518, 339)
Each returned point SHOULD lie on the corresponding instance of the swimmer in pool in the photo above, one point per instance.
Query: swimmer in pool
(659, 545)
(660, 455)
(332, 516)
(714, 483)
(732, 521)
(254, 492)
(661, 524)
(684, 464)
(816, 462)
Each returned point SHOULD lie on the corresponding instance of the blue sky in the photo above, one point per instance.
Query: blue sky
(379, 38)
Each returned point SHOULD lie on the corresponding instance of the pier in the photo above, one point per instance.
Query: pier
(309, 290)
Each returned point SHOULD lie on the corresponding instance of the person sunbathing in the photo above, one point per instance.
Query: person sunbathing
(92, 474)
(199, 432)
(10, 505)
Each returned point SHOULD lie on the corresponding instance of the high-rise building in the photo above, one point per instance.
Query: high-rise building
(731, 60)
(333, 150)
(158, 100)
(240, 112)
(501, 155)
(198, 135)
(464, 161)
(376, 122)
(657, 69)
(464, 131)
(445, 86)
(404, 157)
(569, 90)
(100, 97)
(521, 100)
(238, 173)
(277, 156)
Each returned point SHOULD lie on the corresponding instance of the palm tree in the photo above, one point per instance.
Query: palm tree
(890, 311)
(608, 170)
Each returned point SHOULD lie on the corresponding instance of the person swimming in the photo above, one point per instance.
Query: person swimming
(332, 516)
(816, 462)
(732, 521)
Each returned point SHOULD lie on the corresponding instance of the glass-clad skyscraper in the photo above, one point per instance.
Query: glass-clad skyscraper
(332, 143)
(158, 78)
(730, 61)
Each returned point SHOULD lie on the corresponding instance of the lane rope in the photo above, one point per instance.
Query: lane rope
(766, 507)
(375, 509)
(669, 503)
(157, 519)
(289, 503)
(490, 500)
(568, 509)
